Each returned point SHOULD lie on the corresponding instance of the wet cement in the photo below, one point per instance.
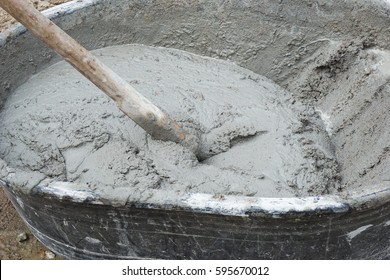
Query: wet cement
(59, 127)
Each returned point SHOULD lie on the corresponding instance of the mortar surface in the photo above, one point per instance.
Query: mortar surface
(60, 127)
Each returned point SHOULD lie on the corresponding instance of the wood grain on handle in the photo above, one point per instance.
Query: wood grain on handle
(143, 112)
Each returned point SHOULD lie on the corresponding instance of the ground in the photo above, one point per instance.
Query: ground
(11, 226)
(6, 20)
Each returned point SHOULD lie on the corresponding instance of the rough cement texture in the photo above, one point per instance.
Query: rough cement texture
(58, 126)
(349, 84)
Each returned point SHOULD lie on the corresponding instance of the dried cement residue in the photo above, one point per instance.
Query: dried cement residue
(349, 83)
(58, 126)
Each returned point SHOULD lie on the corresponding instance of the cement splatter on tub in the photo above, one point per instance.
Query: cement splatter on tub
(59, 127)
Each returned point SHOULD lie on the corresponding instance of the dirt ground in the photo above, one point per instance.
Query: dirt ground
(12, 234)
(16, 241)
(6, 20)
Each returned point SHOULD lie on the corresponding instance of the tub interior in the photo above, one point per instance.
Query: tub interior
(331, 55)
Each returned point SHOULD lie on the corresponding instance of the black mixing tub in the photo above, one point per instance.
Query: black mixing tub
(272, 38)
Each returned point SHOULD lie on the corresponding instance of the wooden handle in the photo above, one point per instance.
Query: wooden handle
(143, 112)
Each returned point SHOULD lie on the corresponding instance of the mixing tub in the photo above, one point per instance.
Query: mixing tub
(311, 48)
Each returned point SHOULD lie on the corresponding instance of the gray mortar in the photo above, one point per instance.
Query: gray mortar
(349, 84)
(330, 55)
(59, 127)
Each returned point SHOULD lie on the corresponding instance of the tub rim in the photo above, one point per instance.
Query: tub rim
(228, 205)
